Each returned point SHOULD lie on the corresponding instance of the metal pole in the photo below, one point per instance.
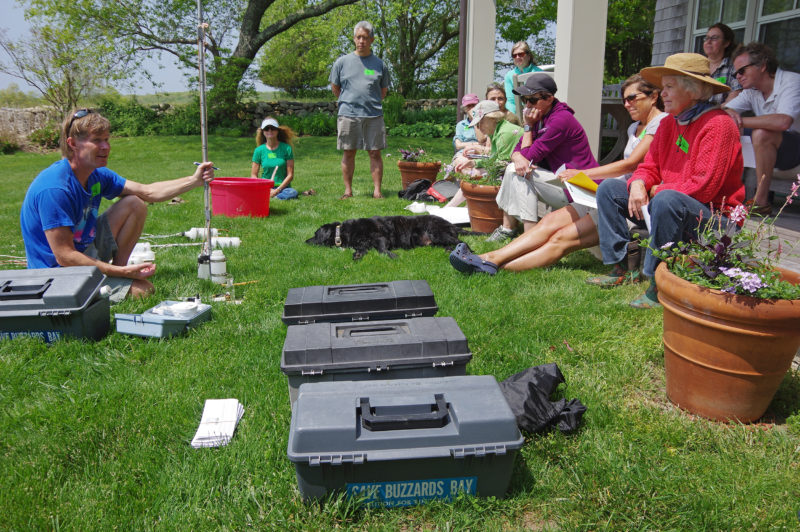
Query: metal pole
(201, 65)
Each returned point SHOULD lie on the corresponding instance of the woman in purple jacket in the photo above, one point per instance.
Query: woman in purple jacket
(552, 137)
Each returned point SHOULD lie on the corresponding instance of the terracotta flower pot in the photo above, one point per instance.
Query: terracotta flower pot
(484, 214)
(724, 354)
(411, 171)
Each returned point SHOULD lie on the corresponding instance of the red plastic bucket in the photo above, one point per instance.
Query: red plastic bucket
(240, 196)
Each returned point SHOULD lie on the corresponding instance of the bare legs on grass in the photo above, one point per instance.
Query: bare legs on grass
(126, 218)
(544, 243)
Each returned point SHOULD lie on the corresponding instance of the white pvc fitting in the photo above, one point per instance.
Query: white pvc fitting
(199, 233)
(226, 242)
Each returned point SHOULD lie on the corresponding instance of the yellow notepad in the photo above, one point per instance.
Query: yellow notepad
(584, 181)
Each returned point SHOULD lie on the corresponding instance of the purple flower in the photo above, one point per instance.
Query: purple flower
(750, 282)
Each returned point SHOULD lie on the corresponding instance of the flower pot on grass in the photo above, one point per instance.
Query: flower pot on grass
(410, 171)
(484, 214)
(725, 355)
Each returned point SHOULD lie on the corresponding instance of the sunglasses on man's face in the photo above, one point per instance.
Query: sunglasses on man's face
(533, 99)
(742, 70)
(78, 114)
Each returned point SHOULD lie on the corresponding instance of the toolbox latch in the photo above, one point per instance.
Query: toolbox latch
(337, 459)
(311, 372)
(413, 314)
(358, 317)
(478, 451)
(59, 312)
(442, 364)
(378, 368)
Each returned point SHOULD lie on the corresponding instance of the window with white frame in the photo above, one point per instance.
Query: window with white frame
(773, 22)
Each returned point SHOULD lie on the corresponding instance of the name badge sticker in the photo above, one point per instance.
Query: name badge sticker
(682, 144)
(271, 156)
(369, 72)
(96, 189)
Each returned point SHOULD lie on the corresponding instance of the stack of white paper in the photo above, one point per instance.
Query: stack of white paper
(220, 417)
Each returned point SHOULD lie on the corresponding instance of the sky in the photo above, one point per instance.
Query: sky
(12, 20)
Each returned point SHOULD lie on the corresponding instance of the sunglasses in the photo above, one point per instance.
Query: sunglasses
(741, 71)
(78, 114)
(519, 54)
(712, 38)
(270, 128)
(533, 99)
(632, 97)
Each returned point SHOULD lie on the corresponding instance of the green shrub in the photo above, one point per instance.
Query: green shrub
(423, 129)
(315, 124)
(128, 118)
(46, 137)
(181, 120)
(9, 143)
(393, 109)
(439, 115)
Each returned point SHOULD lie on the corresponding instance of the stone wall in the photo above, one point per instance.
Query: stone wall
(23, 122)
(254, 112)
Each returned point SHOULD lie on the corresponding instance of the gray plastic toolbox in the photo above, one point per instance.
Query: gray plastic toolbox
(401, 442)
(164, 320)
(358, 302)
(383, 349)
(49, 303)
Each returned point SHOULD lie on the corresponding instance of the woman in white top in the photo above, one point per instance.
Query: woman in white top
(574, 227)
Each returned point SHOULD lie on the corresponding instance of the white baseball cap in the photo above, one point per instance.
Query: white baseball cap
(269, 122)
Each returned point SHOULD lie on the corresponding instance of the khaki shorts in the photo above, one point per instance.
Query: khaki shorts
(360, 133)
(103, 248)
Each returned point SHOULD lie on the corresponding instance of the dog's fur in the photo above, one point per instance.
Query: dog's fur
(385, 233)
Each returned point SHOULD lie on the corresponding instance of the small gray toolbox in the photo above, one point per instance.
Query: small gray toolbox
(358, 302)
(166, 319)
(383, 349)
(49, 303)
(402, 442)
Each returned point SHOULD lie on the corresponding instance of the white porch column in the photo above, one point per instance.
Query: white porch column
(580, 49)
(479, 64)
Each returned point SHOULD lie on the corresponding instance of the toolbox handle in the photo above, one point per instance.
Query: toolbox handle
(374, 330)
(350, 290)
(373, 420)
(10, 291)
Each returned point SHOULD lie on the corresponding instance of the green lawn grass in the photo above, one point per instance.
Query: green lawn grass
(95, 435)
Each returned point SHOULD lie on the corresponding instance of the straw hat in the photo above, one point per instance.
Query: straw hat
(692, 65)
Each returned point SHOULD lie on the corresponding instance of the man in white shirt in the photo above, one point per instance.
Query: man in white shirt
(773, 96)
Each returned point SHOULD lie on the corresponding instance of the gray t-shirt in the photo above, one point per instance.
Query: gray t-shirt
(361, 80)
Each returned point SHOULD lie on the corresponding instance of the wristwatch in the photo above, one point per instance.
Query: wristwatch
(526, 128)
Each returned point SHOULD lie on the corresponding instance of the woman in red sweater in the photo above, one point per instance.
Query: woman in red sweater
(694, 164)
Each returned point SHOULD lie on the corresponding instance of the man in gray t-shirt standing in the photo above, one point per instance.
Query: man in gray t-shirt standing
(360, 81)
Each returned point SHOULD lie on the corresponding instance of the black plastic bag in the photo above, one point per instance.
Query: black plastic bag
(417, 190)
(528, 394)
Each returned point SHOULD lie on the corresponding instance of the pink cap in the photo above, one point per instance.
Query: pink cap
(469, 99)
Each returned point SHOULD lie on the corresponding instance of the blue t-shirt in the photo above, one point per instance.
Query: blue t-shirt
(465, 132)
(361, 80)
(56, 199)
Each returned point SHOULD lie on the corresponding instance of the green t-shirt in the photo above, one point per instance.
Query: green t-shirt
(269, 159)
(504, 138)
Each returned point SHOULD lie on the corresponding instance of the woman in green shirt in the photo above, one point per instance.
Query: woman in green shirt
(275, 158)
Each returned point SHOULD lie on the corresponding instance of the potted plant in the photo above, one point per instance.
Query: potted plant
(417, 164)
(731, 317)
(481, 193)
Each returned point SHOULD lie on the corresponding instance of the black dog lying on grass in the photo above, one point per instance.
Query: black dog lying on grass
(388, 232)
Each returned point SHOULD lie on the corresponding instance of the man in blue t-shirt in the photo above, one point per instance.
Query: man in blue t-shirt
(360, 81)
(59, 216)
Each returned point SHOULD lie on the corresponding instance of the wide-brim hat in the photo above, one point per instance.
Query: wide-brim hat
(693, 65)
(486, 109)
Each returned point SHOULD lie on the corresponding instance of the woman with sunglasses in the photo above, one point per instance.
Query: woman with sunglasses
(523, 63)
(718, 44)
(574, 227)
(274, 154)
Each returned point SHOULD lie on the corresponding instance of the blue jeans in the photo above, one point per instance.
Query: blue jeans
(286, 193)
(674, 216)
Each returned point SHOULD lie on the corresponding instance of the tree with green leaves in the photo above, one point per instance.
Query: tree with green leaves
(237, 30)
(63, 65)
